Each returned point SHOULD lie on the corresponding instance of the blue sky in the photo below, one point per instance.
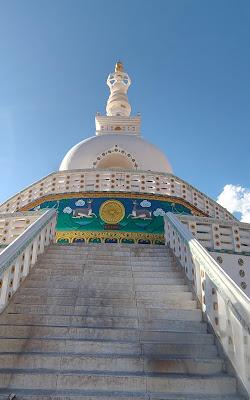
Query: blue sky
(189, 62)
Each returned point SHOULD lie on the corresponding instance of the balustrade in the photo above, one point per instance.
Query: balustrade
(223, 303)
(12, 225)
(232, 236)
(146, 182)
(20, 255)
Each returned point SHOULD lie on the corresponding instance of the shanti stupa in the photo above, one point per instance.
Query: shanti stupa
(116, 276)
(116, 187)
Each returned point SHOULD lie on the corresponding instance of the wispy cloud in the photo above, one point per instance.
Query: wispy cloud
(236, 199)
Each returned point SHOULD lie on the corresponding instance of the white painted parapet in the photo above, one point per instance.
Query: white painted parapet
(13, 224)
(122, 181)
(228, 243)
(216, 235)
(225, 305)
(20, 255)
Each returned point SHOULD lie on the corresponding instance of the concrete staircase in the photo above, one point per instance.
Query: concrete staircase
(99, 322)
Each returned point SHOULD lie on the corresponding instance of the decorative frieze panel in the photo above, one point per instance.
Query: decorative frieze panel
(111, 217)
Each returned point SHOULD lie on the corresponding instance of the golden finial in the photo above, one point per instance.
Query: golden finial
(119, 66)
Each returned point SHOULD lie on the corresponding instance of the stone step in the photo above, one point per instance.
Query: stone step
(145, 321)
(118, 311)
(110, 246)
(108, 255)
(152, 314)
(116, 294)
(95, 302)
(174, 326)
(58, 271)
(74, 284)
(26, 394)
(115, 253)
(185, 384)
(78, 268)
(90, 284)
(89, 252)
(129, 252)
(179, 349)
(175, 279)
(46, 331)
(41, 274)
(70, 346)
(151, 263)
(82, 395)
(64, 332)
(108, 269)
(57, 264)
(114, 363)
(69, 297)
(153, 270)
(171, 345)
(70, 300)
(89, 310)
(70, 321)
(91, 278)
(160, 274)
(81, 259)
(94, 279)
(188, 396)
(176, 337)
(165, 295)
(173, 286)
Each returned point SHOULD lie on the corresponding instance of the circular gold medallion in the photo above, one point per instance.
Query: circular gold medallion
(112, 211)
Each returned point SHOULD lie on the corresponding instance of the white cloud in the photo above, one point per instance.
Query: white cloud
(145, 203)
(236, 199)
(159, 212)
(67, 210)
(80, 203)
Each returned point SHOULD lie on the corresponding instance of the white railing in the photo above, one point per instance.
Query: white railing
(233, 236)
(91, 180)
(12, 225)
(17, 258)
(226, 307)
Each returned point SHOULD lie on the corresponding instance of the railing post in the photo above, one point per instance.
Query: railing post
(27, 260)
(4, 288)
(16, 277)
(34, 251)
(42, 241)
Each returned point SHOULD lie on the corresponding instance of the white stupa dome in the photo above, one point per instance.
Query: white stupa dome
(118, 143)
(116, 151)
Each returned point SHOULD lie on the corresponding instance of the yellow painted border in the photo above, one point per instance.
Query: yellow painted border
(151, 196)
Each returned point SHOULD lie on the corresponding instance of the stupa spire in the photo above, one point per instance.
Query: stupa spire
(118, 82)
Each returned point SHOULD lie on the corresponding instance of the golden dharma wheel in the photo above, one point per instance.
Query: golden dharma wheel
(112, 211)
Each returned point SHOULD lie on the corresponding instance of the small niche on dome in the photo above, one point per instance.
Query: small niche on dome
(118, 128)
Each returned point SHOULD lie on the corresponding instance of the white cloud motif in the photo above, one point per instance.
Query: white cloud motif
(159, 212)
(145, 203)
(67, 210)
(80, 203)
(37, 208)
(236, 199)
